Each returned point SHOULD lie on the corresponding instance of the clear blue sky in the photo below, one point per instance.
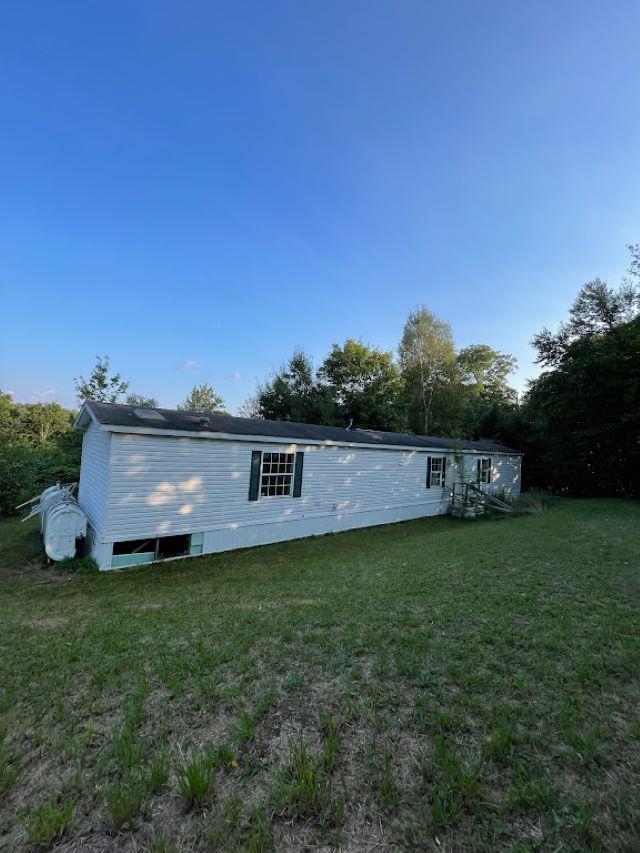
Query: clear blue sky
(197, 188)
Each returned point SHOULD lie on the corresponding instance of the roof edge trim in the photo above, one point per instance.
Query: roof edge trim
(274, 439)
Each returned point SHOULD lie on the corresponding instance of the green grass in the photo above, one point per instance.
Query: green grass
(48, 822)
(431, 685)
(195, 780)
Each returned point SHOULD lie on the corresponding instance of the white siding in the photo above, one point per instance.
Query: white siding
(170, 485)
(100, 551)
(94, 475)
(232, 536)
(164, 485)
(505, 472)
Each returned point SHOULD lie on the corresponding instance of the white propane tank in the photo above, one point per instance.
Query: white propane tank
(62, 522)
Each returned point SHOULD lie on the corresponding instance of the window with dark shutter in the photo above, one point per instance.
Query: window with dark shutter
(435, 471)
(484, 470)
(277, 474)
(254, 482)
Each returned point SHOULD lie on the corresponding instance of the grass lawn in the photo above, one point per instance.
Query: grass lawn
(432, 685)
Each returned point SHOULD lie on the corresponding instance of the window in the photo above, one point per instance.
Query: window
(437, 471)
(484, 469)
(276, 474)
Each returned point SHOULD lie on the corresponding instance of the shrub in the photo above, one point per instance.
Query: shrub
(532, 502)
(78, 566)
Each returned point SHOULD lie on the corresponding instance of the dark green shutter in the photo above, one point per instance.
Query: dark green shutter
(489, 472)
(297, 477)
(428, 472)
(254, 482)
(479, 469)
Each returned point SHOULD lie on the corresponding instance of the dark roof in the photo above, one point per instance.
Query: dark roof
(114, 414)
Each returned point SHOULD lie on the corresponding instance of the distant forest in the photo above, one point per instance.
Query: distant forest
(578, 423)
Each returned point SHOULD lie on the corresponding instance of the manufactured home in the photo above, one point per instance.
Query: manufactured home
(157, 484)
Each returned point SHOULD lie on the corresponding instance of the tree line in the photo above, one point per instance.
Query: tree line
(578, 423)
(105, 387)
(429, 389)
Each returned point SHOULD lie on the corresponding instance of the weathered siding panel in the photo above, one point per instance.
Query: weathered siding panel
(170, 485)
(94, 475)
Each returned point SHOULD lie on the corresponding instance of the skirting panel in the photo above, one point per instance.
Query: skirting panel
(247, 536)
(250, 535)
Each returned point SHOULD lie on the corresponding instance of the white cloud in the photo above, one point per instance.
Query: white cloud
(235, 376)
(35, 396)
(43, 396)
(188, 364)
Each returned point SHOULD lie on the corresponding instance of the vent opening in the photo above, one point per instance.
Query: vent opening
(134, 546)
(173, 546)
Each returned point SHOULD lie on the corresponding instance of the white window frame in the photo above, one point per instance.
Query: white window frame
(439, 474)
(281, 477)
(484, 477)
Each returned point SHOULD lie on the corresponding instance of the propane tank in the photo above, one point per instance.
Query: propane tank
(62, 523)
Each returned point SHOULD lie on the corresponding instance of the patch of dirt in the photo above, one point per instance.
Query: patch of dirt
(272, 605)
(51, 622)
(36, 572)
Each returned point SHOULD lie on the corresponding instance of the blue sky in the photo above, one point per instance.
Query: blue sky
(197, 188)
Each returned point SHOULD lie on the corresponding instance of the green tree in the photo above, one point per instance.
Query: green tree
(38, 447)
(42, 422)
(292, 393)
(429, 370)
(484, 371)
(584, 416)
(6, 409)
(597, 308)
(141, 401)
(203, 399)
(364, 381)
(496, 422)
(101, 386)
